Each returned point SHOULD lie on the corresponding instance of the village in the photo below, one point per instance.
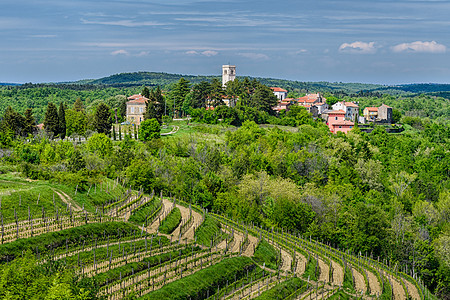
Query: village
(339, 117)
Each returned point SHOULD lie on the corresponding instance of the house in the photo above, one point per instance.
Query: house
(337, 122)
(285, 104)
(311, 99)
(279, 92)
(370, 113)
(382, 114)
(315, 103)
(321, 107)
(385, 113)
(136, 109)
(351, 109)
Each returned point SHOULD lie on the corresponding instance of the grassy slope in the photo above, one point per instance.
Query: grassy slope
(171, 222)
(266, 254)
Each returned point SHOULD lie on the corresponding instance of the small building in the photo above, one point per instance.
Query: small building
(136, 109)
(321, 107)
(279, 92)
(284, 104)
(337, 123)
(351, 109)
(385, 113)
(370, 113)
(311, 99)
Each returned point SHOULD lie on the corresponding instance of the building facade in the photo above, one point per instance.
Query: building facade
(228, 74)
(351, 109)
(136, 109)
(280, 93)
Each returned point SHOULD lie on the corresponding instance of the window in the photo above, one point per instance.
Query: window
(225, 72)
(141, 109)
(131, 109)
(340, 126)
(335, 118)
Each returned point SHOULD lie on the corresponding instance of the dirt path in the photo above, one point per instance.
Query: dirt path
(66, 199)
(165, 209)
(338, 273)
(184, 218)
(301, 264)
(412, 290)
(399, 292)
(375, 288)
(286, 258)
(360, 284)
(251, 247)
(324, 271)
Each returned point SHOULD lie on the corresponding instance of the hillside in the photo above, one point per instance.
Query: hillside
(165, 79)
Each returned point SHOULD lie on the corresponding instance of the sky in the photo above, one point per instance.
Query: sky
(369, 41)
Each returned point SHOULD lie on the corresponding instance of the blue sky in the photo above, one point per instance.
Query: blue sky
(375, 41)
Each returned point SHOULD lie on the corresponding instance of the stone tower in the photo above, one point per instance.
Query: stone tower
(228, 74)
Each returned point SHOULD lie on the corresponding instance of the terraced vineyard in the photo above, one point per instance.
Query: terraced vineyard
(200, 255)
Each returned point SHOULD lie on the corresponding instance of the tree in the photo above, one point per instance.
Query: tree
(199, 94)
(62, 121)
(178, 94)
(78, 105)
(263, 99)
(29, 126)
(145, 92)
(13, 122)
(102, 119)
(396, 116)
(216, 93)
(51, 120)
(76, 122)
(100, 144)
(149, 130)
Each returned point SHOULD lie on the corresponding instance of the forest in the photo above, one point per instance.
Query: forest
(375, 197)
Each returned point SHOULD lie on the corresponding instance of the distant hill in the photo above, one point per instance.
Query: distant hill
(166, 79)
(8, 83)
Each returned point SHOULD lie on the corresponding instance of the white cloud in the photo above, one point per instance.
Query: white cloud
(256, 56)
(301, 51)
(358, 47)
(418, 46)
(205, 53)
(125, 23)
(143, 53)
(210, 53)
(120, 52)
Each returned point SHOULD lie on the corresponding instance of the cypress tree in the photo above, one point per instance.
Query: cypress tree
(114, 132)
(135, 132)
(62, 121)
(120, 133)
(51, 120)
(102, 119)
(29, 123)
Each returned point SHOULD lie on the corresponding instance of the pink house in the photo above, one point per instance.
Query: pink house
(336, 122)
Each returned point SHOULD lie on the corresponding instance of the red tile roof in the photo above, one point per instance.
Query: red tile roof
(350, 104)
(137, 99)
(336, 112)
(277, 89)
(372, 108)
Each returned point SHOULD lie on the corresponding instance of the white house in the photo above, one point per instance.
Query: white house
(351, 109)
(280, 93)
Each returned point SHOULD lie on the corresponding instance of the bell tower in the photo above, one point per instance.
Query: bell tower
(228, 74)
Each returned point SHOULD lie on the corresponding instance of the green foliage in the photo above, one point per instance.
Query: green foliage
(209, 230)
(51, 121)
(149, 130)
(267, 255)
(171, 222)
(102, 119)
(196, 286)
(284, 289)
(101, 144)
(53, 240)
(25, 279)
(141, 215)
(62, 121)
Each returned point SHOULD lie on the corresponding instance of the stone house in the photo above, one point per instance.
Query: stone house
(136, 109)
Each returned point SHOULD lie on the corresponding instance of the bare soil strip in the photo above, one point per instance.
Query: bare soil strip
(66, 199)
(360, 284)
(375, 288)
